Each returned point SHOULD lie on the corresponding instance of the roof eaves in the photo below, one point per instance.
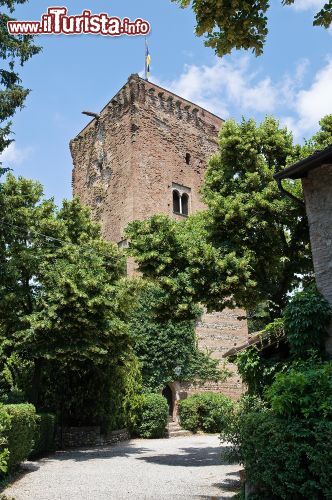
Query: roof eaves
(301, 168)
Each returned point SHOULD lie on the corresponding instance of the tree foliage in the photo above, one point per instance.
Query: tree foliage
(234, 24)
(251, 246)
(307, 318)
(14, 51)
(305, 390)
(64, 305)
(265, 232)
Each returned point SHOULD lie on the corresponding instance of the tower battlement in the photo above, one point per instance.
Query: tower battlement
(138, 91)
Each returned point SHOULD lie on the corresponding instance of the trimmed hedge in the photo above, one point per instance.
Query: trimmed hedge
(154, 416)
(44, 434)
(21, 432)
(4, 428)
(207, 411)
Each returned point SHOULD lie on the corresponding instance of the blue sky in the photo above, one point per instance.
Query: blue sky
(292, 80)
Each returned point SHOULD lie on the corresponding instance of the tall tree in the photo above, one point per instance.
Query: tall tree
(249, 217)
(251, 245)
(234, 24)
(14, 51)
(63, 296)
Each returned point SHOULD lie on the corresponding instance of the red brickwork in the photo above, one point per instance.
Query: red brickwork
(147, 142)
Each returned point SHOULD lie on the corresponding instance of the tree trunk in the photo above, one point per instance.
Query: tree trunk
(35, 383)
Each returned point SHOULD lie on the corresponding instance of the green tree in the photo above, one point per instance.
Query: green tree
(230, 24)
(14, 51)
(323, 138)
(250, 219)
(64, 301)
(250, 247)
(28, 229)
(180, 259)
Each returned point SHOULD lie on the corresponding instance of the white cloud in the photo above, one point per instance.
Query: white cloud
(212, 87)
(14, 156)
(230, 85)
(308, 4)
(313, 103)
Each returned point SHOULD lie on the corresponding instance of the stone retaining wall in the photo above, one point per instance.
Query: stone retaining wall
(78, 437)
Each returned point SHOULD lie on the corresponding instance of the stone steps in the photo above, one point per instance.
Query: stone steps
(175, 430)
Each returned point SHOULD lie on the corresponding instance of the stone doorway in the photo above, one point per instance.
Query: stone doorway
(168, 395)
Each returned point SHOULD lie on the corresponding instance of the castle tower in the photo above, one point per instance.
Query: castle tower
(146, 153)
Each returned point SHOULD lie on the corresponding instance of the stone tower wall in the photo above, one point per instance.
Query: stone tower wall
(125, 165)
(125, 162)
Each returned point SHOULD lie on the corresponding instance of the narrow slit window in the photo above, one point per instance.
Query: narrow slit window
(176, 202)
(188, 158)
(185, 204)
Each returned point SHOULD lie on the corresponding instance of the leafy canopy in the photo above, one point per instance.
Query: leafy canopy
(251, 245)
(64, 305)
(236, 24)
(14, 51)
(265, 232)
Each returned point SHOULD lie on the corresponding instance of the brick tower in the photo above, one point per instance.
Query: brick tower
(144, 154)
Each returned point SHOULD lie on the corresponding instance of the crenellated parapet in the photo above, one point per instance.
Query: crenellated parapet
(138, 92)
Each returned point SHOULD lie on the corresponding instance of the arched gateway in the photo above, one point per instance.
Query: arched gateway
(168, 395)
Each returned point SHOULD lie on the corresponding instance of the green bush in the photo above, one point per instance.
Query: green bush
(285, 443)
(304, 391)
(4, 428)
(258, 371)
(21, 432)
(288, 458)
(154, 416)
(208, 412)
(306, 320)
(44, 434)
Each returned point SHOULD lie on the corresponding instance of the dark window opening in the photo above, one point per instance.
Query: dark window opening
(176, 202)
(188, 158)
(185, 204)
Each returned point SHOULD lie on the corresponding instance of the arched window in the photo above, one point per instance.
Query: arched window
(185, 204)
(176, 202)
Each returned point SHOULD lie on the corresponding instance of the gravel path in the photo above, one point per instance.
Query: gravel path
(179, 468)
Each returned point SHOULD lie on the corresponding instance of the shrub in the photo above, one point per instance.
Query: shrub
(154, 416)
(287, 448)
(208, 412)
(21, 432)
(306, 319)
(288, 458)
(257, 371)
(4, 428)
(44, 434)
(232, 431)
(304, 391)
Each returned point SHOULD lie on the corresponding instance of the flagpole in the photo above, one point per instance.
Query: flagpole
(145, 61)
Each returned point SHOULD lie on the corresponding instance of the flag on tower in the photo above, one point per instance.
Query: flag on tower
(147, 60)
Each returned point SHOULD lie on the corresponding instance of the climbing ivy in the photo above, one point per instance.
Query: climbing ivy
(164, 346)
